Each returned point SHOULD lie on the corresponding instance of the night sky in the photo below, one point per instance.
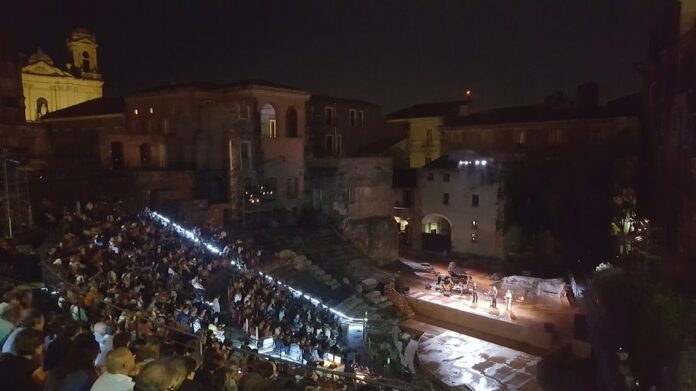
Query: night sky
(392, 52)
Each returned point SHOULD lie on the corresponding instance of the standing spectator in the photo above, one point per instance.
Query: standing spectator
(120, 366)
(474, 293)
(31, 319)
(17, 370)
(494, 297)
(76, 372)
(105, 343)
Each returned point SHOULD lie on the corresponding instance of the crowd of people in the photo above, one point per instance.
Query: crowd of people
(141, 307)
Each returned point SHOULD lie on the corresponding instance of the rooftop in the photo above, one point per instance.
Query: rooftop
(343, 100)
(450, 161)
(380, 146)
(627, 106)
(99, 106)
(425, 110)
(203, 85)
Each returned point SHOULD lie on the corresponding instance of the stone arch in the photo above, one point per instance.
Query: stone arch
(291, 122)
(269, 123)
(436, 232)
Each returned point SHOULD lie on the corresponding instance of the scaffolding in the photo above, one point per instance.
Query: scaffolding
(15, 211)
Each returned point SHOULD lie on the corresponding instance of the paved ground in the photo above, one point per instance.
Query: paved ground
(456, 359)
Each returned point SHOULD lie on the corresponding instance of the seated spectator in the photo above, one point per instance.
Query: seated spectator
(76, 372)
(160, 375)
(8, 320)
(17, 370)
(120, 366)
(31, 319)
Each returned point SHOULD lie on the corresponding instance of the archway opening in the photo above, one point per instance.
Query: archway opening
(269, 125)
(436, 233)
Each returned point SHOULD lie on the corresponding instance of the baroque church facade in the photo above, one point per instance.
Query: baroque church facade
(48, 88)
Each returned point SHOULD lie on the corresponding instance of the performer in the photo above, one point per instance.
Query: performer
(508, 301)
(494, 297)
(474, 293)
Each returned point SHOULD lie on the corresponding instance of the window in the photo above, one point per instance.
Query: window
(152, 110)
(406, 199)
(475, 200)
(474, 237)
(351, 195)
(316, 199)
(329, 115)
(445, 198)
(117, 155)
(291, 123)
(272, 128)
(145, 156)
(446, 177)
(339, 147)
(85, 62)
(474, 224)
(361, 118)
(291, 188)
(245, 154)
(41, 107)
(521, 137)
(429, 136)
(352, 117)
(165, 125)
(136, 112)
(430, 176)
(243, 111)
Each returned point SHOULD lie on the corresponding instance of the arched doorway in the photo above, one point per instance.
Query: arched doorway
(291, 123)
(436, 233)
(269, 125)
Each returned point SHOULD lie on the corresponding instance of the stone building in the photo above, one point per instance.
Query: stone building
(669, 78)
(341, 127)
(48, 87)
(458, 206)
(421, 123)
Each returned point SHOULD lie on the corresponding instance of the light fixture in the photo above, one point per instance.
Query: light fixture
(135, 111)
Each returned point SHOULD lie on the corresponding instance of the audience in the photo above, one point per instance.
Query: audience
(161, 307)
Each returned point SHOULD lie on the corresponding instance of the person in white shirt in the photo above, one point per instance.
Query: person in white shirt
(105, 343)
(120, 366)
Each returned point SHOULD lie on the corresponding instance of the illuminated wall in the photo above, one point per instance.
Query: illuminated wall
(48, 88)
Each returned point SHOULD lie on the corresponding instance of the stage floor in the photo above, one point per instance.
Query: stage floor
(457, 359)
(534, 312)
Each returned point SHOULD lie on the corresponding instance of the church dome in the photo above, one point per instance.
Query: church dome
(40, 56)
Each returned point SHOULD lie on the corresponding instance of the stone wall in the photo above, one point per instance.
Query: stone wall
(376, 237)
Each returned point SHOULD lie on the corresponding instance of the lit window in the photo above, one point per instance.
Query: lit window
(429, 135)
(272, 128)
(152, 110)
(474, 238)
(474, 224)
(135, 111)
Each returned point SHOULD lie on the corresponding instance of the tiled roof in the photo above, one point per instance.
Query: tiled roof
(429, 110)
(99, 106)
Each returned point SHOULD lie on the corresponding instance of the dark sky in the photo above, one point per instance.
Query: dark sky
(392, 52)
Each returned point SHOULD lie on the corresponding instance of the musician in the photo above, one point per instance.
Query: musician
(474, 293)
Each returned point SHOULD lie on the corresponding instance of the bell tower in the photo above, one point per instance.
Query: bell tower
(82, 46)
